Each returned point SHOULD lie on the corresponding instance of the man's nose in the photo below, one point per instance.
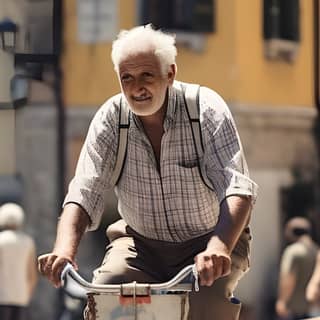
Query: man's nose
(139, 85)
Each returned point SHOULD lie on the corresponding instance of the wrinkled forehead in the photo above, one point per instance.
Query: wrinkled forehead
(140, 60)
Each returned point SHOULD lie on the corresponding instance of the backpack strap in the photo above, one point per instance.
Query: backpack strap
(191, 98)
(191, 94)
(124, 124)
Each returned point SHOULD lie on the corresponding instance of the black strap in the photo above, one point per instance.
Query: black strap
(191, 95)
(124, 124)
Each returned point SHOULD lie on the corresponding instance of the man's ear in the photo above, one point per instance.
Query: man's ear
(172, 73)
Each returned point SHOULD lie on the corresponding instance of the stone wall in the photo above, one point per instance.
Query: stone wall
(276, 137)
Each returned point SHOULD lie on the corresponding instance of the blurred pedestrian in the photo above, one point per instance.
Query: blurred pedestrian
(297, 264)
(18, 272)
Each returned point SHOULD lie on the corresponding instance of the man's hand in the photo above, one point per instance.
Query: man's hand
(215, 262)
(282, 310)
(51, 265)
(212, 264)
(73, 222)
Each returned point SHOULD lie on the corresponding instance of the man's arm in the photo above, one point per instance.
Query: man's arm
(287, 284)
(215, 261)
(313, 288)
(287, 279)
(71, 227)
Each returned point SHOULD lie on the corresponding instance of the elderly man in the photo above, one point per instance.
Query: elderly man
(178, 205)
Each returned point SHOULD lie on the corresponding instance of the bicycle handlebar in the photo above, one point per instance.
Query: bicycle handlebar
(144, 288)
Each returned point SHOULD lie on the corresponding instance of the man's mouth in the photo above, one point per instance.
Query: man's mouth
(140, 99)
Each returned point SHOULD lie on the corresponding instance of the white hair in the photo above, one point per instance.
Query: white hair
(144, 39)
(11, 216)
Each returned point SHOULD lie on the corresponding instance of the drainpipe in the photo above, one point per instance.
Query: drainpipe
(58, 92)
(60, 126)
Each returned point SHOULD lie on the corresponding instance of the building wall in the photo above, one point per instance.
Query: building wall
(262, 82)
(7, 142)
(89, 77)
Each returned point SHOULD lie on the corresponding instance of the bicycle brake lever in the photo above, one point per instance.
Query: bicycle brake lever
(64, 272)
(196, 278)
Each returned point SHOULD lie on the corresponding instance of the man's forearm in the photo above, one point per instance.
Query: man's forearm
(312, 291)
(286, 286)
(71, 227)
(234, 216)
(215, 261)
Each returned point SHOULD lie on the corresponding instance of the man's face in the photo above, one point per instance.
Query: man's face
(143, 83)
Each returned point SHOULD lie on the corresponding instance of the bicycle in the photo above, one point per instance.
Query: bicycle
(139, 301)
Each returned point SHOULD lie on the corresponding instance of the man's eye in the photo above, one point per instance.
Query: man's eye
(148, 75)
(126, 78)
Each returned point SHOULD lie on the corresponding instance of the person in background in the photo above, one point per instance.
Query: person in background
(296, 267)
(172, 214)
(18, 268)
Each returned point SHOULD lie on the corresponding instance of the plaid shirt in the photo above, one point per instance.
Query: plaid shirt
(172, 204)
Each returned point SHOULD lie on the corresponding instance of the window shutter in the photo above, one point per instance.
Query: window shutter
(289, 20)
(271, 19)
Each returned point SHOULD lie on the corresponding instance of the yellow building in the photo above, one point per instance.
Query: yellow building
(232, 61)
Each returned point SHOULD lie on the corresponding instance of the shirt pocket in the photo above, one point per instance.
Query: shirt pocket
(193, 197)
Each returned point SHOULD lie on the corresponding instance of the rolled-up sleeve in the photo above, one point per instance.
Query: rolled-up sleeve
(224, 160)
(95, 164)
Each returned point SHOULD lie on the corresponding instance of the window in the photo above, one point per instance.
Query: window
(178, 15)
(281, 28)
(190, 20)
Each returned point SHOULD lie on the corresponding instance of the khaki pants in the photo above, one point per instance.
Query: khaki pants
(131, 257)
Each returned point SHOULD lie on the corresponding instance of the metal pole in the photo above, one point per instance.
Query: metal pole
(60, 128)
(58, 90)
